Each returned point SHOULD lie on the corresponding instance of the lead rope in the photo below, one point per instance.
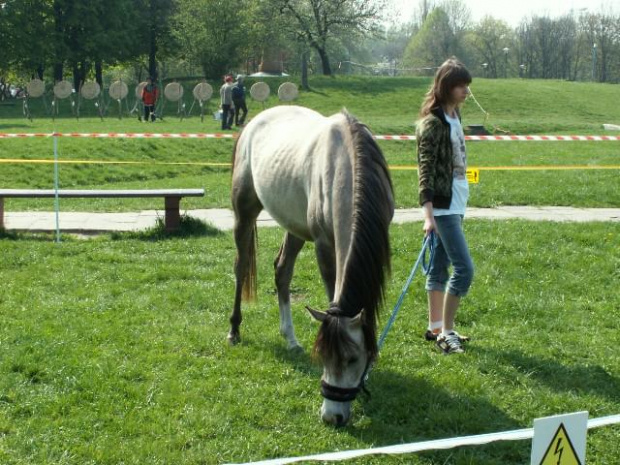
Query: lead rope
(427, 244)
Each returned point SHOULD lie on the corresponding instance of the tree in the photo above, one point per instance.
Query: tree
(433, 44)
(489, 37)
(211, 33)
(317, 22)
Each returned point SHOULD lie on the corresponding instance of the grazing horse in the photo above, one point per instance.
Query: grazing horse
(325, 180)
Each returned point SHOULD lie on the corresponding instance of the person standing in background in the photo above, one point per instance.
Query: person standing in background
(228, 112)
(150, 94)
(238, 96)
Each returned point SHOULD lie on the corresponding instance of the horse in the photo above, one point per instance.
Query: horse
(324, 180)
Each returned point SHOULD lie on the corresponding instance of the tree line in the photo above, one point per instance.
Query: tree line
(580, 45)
(54, 39)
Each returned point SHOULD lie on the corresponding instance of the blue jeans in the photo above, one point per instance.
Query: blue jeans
(450, 248)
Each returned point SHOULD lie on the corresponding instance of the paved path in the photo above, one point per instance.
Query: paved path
(223, 218)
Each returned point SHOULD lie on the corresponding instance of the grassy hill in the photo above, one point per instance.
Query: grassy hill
(387, 105)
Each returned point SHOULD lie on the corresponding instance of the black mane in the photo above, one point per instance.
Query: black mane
(368, 262)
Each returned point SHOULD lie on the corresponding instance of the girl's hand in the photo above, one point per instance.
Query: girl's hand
(429, 226)
(429, 219)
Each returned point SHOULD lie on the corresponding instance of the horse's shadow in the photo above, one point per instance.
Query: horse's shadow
(406, 409)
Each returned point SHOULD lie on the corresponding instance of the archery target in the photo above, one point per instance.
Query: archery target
(203, 91)
(62, 89)
(90, 90)
(287, 92)
(139, 89)
(260, 91)
(173, 91)
(118, 90)
(35, 88)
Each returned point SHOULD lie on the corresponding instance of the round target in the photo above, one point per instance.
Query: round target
(63, 89)
(260, 91)
(35, 88)
(90, 90)
(203, 91)
(118, 90)
(288, 91)
(139, 89)
(173, 91)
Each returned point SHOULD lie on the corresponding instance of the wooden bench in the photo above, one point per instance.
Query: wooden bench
(172, 198)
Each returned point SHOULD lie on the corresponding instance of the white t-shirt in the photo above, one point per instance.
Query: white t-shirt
(460, 186)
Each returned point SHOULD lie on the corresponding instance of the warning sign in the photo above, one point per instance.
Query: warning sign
(560, 440)
(473, 176)
(560, 450)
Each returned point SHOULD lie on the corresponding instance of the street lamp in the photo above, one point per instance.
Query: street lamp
(485, 66)
(505, 50)
(594, 62)
(522, 69)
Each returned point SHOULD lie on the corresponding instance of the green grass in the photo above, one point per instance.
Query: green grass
(389, 106)
(114, 351)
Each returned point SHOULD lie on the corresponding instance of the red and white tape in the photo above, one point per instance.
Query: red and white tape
(120, 135)
(518, 138)
(149, 135)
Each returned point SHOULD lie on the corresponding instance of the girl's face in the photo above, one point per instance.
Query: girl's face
(459, 93)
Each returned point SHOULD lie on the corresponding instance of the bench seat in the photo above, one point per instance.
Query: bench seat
(172, 198)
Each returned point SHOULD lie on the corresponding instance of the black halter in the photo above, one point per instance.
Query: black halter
(338, 394)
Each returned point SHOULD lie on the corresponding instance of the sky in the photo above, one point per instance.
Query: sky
(513, 11)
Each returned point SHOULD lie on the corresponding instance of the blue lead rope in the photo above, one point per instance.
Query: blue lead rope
(428, 243)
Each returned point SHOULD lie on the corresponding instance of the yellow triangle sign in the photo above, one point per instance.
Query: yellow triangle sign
(473, 175)
(561, 450)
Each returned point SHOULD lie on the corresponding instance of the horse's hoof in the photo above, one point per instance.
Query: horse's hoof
(296, 349)
(234, 339)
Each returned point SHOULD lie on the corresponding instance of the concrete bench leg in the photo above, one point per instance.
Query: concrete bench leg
(173, 214)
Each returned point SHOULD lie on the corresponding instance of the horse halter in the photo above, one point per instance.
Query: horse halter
(338, 394)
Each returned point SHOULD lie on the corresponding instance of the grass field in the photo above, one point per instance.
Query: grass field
(114, 351)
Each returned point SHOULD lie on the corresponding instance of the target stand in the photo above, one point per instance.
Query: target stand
(118, 91)
(202, 94)
(34, 89)
(62, 90)
(90, 90)
(173, 92)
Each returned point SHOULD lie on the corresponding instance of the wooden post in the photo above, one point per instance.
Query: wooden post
(172, 219)
(1, 212)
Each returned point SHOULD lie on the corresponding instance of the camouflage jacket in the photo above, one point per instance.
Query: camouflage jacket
(435, 163)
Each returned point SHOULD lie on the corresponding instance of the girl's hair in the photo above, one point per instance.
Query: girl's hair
(450, 74)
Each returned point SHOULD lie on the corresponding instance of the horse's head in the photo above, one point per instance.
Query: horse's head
(346, 350)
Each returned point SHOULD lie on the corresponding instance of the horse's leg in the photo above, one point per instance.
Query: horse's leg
(326, 258)
(247, 208)
(284, 265)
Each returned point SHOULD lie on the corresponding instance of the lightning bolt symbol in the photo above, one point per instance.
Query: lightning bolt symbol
(559, 450)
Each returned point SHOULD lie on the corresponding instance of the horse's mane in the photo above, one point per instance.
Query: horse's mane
(368, 259)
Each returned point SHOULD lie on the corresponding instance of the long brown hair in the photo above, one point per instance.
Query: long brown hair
(449, 75)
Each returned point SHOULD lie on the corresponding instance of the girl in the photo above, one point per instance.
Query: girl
(443, 191)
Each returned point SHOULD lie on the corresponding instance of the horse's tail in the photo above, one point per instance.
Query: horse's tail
(249, 280)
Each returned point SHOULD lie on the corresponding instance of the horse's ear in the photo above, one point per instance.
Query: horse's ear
(317, 315)
(356, 321)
